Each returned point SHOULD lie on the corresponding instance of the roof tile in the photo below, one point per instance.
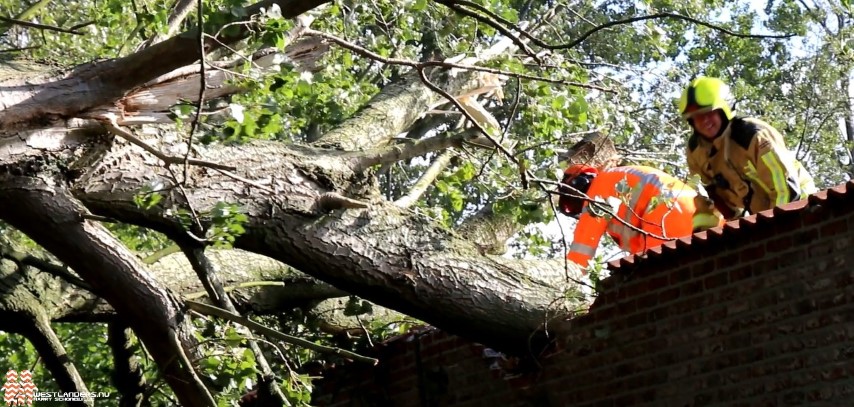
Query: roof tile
(741, 226)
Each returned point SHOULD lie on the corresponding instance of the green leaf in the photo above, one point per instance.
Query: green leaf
(579, 106)
(147, 199)
(467, 171)
(211, 362)
(457, 199)
(442, 186)
(419, 5)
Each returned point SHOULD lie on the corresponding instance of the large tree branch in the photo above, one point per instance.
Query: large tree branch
(426, 179)
(258, 284)
(101, 83)
(408, 149)
(386, 115)
(399, 105)
(490, 231)
(51, 217)
(384, 254)
(7, 251)
(127, 375)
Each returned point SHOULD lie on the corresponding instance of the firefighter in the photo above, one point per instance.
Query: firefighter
(653, 206)
(743, 163)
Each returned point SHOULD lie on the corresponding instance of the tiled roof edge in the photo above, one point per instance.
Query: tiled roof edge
(735, 227)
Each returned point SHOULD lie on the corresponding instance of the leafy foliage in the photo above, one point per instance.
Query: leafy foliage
(86, 346)
(630, 75)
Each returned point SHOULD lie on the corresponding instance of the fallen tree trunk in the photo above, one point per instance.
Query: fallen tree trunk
(385, 254)
(315, 209)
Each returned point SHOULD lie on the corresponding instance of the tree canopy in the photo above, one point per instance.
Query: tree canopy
(202, 197)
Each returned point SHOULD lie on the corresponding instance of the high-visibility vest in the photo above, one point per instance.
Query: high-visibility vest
(646, 198)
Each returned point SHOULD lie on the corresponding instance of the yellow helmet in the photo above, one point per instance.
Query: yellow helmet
(705, 94)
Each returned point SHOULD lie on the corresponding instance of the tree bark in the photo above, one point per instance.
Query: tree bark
(385, 254)
(23, 313)
(127, 375)
(49, 215)
(848, 120)
(490, 231)
(594, 149)
(398, 106)
(101, 83)
(258, 284)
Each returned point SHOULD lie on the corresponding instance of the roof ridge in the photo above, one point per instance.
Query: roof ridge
(737, 225)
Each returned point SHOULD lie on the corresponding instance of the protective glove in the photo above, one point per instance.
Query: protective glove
(702, 221)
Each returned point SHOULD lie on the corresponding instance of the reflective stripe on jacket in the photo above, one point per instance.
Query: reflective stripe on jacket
(633, 189)
(749, 167)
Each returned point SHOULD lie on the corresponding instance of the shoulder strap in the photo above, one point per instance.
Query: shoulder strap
(742, 131)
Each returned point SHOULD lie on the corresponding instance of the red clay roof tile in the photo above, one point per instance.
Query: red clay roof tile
(739, 226)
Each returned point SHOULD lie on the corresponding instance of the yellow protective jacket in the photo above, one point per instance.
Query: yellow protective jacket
(747, 167)
(647, 199)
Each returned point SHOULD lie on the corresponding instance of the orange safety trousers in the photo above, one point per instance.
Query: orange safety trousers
(648, 199)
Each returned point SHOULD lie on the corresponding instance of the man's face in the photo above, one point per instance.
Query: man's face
(708, 124)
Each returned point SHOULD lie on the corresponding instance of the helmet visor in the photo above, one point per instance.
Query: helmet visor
(571, 203)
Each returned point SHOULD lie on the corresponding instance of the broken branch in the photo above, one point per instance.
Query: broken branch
(331, 201)
(409, 150)
(219, 312)
(427, 64)
(28, 24)
(118, 131)
(209, 276)
(426, 180)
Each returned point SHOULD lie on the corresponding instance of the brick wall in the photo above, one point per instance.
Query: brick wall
(761, 314)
